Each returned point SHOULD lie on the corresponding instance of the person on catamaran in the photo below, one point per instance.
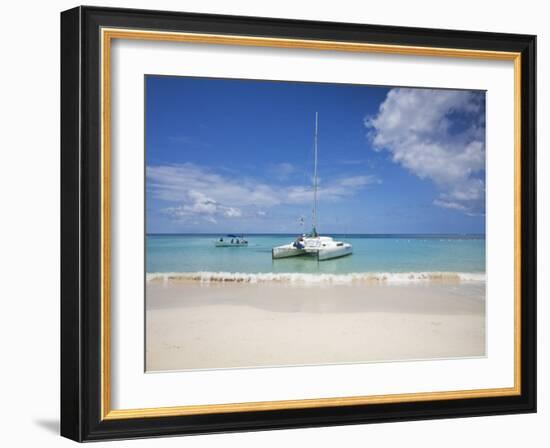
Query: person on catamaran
(298, 244)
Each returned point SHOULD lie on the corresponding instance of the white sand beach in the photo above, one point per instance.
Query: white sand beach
(193, 325)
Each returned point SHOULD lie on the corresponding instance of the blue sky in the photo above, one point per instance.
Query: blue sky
(237, 156)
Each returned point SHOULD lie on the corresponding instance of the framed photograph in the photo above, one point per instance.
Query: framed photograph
(276, 224)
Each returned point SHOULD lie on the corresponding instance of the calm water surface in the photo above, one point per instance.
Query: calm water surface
(371, 253)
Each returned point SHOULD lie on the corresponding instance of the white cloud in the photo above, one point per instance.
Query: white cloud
(282, 171)
(437, 135)
(198, 204)
(336, 190)
(232, 212)
(452, 205)
(182, 183)
(200, 192)
(358, 181)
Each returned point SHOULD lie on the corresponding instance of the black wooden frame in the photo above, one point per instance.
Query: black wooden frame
(80, 224)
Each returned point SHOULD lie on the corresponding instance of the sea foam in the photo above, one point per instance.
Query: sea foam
(303, 278)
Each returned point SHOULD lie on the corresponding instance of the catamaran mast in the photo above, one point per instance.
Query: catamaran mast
(314, 231)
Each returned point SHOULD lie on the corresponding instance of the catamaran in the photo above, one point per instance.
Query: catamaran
(322, 247)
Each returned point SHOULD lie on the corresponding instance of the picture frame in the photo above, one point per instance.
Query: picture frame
(86, 37)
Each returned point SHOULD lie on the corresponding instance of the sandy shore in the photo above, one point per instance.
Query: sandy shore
(190, 325)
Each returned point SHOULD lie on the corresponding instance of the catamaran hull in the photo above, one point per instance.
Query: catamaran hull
(286, 251)
(329, 254)
(321, 254)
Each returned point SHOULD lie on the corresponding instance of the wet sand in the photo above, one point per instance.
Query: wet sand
(191, 325)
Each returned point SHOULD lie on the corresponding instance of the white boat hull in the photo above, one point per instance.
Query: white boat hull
(322, 249)
(286, 251)
(325, 248)
(224, 244)
(334, 252)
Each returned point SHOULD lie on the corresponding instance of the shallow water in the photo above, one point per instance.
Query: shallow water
(371, 254)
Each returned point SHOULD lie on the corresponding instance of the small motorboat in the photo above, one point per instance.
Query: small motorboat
(231, 241)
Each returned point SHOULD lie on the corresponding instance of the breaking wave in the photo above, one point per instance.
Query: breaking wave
(301, 278)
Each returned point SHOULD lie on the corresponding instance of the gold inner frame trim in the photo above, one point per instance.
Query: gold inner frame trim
(107, 35)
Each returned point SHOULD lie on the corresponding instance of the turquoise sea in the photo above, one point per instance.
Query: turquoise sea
(192, 253)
